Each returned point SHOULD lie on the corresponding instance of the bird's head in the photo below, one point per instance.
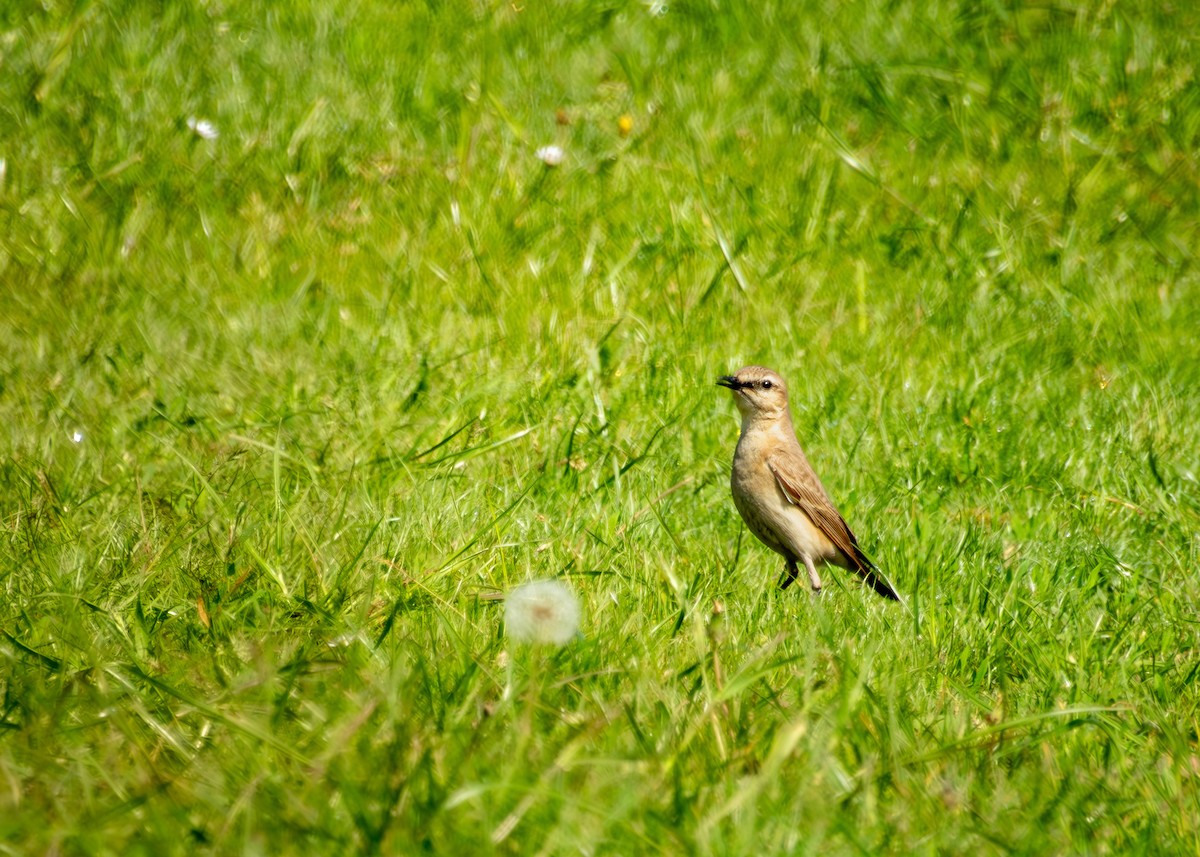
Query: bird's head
(758, 392)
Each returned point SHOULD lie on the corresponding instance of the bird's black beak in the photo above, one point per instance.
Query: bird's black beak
(729, 381)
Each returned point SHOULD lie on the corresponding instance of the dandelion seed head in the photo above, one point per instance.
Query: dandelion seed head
(202, 128)
(542, 611)
(551, 156)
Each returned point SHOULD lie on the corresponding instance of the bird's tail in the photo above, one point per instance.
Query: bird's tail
(874, 578)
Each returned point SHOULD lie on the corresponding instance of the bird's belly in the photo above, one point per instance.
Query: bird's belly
(777, 522)
(804, 537)
(758, 522)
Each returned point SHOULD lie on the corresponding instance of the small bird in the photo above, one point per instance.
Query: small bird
(779, 497)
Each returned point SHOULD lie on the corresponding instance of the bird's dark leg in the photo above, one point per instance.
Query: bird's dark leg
(789, 574)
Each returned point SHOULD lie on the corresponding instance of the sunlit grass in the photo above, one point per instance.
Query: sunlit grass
(307, 356)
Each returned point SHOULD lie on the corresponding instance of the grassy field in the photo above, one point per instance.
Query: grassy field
(306, 358)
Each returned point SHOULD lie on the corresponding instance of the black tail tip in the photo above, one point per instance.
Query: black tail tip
(881, 586)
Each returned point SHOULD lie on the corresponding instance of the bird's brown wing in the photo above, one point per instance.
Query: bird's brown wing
(804, 491)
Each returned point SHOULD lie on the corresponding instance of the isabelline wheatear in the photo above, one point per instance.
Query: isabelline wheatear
(777, 493)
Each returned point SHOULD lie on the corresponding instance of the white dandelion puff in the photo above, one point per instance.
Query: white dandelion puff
(203, 128)
(551, 156)
(542, 611)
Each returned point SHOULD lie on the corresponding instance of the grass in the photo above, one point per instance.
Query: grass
(284, 411)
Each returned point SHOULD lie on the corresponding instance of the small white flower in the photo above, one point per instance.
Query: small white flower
(202, 128)
(542, 611)
(551, 156)
(77, 436)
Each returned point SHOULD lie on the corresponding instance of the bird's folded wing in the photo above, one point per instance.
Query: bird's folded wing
(804, 491)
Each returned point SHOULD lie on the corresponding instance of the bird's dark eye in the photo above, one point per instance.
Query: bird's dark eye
(766, 385)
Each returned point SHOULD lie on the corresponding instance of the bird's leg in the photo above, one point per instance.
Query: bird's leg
(813, 577)
(789, 574)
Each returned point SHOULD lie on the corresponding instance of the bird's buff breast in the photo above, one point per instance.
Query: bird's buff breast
(775, 521)
(750, 479)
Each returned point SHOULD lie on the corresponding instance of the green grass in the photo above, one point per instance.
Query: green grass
(348, 371)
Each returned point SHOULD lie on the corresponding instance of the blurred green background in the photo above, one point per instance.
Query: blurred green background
(307, 357)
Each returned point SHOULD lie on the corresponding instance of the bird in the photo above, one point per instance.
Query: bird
(777, 493)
